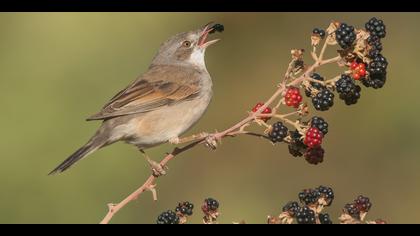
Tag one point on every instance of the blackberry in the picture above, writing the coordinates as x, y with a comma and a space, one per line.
327, 193
375, 46
305, 216
345, 36
377, 72
319, 32
292, 208
323, 100
325, 219
376, 27
315, 85
348, 90
352, 210
309, 196
363, 203
210, 204
167, 218
296, 146
217, 27
278, 132
320, 124
185, 208
314, 155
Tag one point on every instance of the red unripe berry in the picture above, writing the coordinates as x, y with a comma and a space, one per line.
353, 65
362, 72
356, 76
293, 97
313, 137
267, 110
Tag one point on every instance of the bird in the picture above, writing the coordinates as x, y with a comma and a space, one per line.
162, 103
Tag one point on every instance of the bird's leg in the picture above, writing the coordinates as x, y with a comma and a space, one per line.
157, 169
188, 139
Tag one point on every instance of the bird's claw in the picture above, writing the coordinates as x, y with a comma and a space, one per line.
174, 141
211, 142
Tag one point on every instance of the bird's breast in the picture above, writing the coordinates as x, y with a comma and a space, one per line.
159, 126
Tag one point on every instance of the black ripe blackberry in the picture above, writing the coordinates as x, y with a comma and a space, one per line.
210, 204
376, 27
185, 208
314, 155
348, 90
217, 27
323, 100
345, 36
377, 72
327, 194
320, 124
352, 210
167, 218
305, 216
363, 203
296, 146
315, 85
375, 46
292, 208
278, 132
325, 219
309, 196
319, 32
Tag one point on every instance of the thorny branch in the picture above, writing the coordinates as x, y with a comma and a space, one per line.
212, 139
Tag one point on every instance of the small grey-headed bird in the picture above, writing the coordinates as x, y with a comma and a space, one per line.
161, 104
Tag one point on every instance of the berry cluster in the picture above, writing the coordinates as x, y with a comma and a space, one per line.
377, 62
323, 100
358, 70
357, 210
210, 205
313, 201
362, 52
305, 215
278, 132
210, 209
376, 28
184, 209
348, 90
168, 218
345, 36
319, 32
313, 137
309, 196
267, 110
217, 28
296, 146
293, 97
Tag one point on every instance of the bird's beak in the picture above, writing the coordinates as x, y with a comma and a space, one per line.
203, 37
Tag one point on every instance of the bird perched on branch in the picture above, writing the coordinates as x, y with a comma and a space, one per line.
160, 105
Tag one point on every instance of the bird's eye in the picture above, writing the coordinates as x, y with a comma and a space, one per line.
186, 44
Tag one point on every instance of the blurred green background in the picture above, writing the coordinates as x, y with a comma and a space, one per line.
58, 68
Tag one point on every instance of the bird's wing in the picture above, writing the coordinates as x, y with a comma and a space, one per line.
159, 86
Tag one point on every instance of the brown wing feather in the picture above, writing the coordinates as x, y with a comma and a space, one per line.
160, 86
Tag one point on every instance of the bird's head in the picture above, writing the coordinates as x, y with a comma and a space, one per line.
187, 48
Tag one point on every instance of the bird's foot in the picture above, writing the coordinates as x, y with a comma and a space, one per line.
174, 141
211, 141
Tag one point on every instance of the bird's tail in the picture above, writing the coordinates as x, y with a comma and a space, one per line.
94, 144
